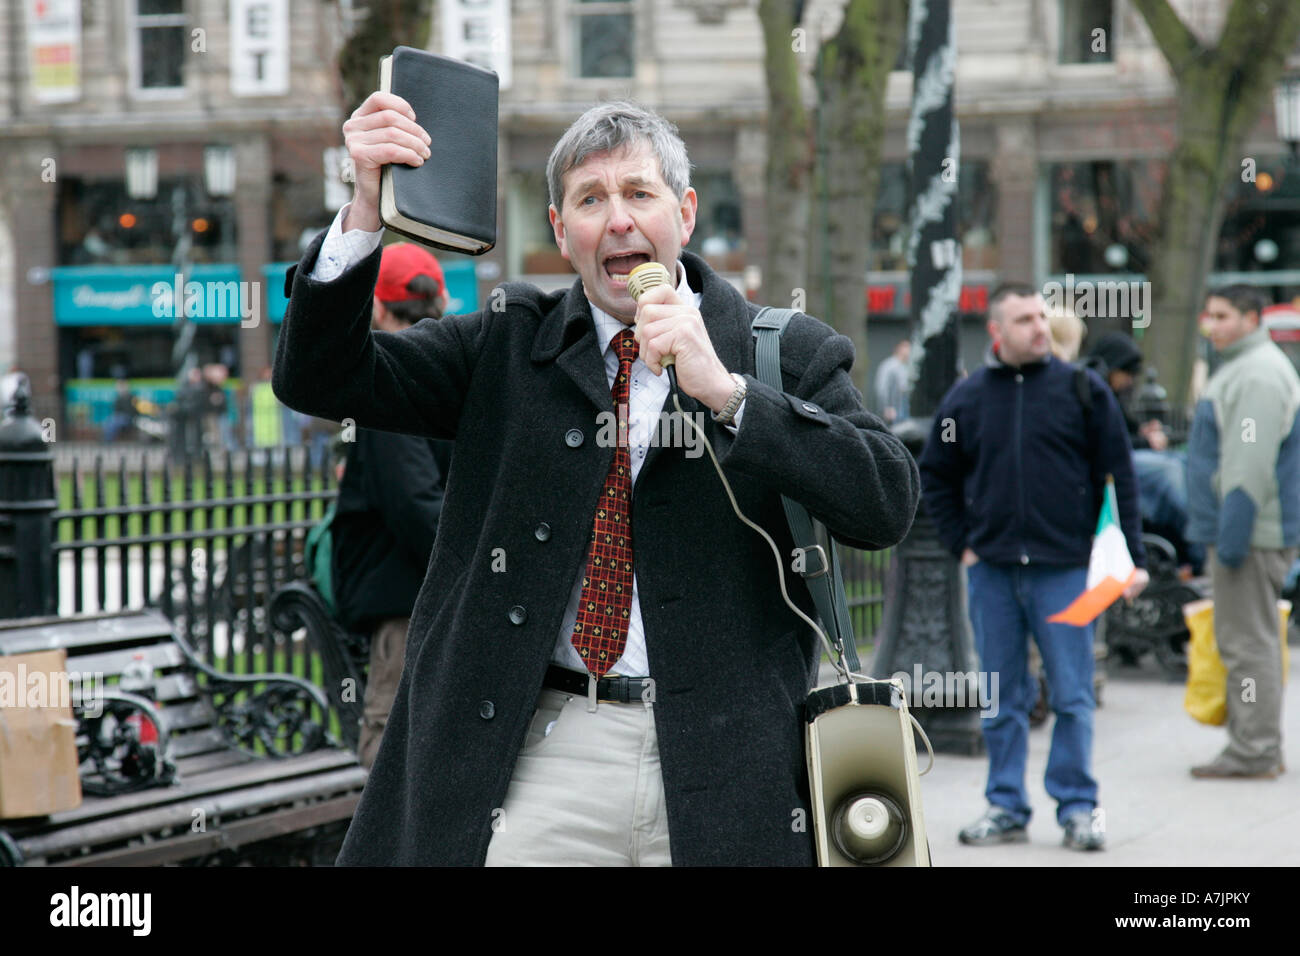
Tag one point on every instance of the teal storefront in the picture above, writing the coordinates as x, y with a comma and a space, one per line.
121, 320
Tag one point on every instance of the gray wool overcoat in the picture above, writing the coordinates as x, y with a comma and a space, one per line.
520, 388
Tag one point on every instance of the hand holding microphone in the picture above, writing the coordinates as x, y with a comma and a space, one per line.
673, 336
640, 280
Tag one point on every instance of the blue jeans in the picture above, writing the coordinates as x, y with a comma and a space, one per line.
1007, 603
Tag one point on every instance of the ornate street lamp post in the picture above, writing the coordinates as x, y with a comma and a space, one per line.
1286, 111
926, 631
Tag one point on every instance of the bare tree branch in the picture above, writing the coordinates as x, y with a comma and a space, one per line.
1254, 31
1176, 41
1220, 97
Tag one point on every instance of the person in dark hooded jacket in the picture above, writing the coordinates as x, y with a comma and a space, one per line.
1118, 360
1161, 473
389, 504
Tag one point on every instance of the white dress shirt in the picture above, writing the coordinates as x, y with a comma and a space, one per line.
647, 395
342, 250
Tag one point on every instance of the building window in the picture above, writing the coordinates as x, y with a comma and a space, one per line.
530, 240
719, 231
99, 224
603, 38
1261, 221
903, 60
1087, 31
1104, 215
89, 352
976, 216
159, 40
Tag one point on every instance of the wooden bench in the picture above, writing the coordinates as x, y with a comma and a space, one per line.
243, 768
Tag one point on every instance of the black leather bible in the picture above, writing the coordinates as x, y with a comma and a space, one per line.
451, 201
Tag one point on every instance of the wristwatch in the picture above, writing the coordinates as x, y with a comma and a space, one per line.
728, 413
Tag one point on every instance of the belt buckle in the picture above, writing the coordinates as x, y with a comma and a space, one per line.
826, 565
620, 691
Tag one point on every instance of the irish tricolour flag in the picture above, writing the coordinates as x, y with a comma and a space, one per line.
1110, 569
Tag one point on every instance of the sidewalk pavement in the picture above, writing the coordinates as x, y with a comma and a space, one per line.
1156, 814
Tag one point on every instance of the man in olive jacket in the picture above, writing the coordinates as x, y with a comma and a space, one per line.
522, 388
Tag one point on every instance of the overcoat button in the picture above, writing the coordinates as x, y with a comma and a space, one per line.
810, 408
487, 710
573, 437
518, 615
542, 532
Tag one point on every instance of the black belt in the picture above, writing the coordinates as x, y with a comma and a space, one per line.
622, 690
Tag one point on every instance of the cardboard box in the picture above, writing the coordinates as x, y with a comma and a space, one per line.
38, 736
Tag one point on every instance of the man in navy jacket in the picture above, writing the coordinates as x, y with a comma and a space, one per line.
1013, 476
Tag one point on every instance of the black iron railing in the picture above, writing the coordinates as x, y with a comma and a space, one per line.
864, 586
209, 546
206, 545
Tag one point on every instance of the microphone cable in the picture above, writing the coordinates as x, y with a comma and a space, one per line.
836, 657
647, 276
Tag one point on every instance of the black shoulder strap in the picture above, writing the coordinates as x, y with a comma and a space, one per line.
1083, 388
827, 589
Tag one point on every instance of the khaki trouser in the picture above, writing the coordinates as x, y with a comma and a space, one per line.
587, 789
1247, 630
387, 651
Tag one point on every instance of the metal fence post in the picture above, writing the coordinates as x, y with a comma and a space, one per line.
27, 504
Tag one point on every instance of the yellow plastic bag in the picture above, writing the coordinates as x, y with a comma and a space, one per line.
1207, 678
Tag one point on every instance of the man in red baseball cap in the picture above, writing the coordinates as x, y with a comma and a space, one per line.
389, 503
411, 287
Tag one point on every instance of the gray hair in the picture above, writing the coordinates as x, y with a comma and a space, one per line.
610, 126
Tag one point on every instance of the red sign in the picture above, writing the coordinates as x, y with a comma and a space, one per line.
880, 298
974, 298
897, 299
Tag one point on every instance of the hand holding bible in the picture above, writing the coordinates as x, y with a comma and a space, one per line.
381, 131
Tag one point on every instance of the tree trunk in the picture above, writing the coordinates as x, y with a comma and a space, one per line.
1221, 93
852, 72
1191, 214
389, 23
789, 157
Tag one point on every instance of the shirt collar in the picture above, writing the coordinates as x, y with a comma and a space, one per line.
607, 326
993, 359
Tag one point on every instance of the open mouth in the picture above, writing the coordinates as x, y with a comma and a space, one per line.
617, 267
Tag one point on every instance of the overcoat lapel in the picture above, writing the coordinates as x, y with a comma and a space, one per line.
719, 307
567, 337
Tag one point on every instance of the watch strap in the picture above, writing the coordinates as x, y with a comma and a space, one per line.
727, 415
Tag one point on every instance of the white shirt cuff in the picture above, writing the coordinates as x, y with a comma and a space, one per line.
342, 250
734, 425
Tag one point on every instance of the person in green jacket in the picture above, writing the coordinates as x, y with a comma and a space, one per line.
1243, 486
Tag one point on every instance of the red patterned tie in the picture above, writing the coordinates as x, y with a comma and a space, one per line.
605, 609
